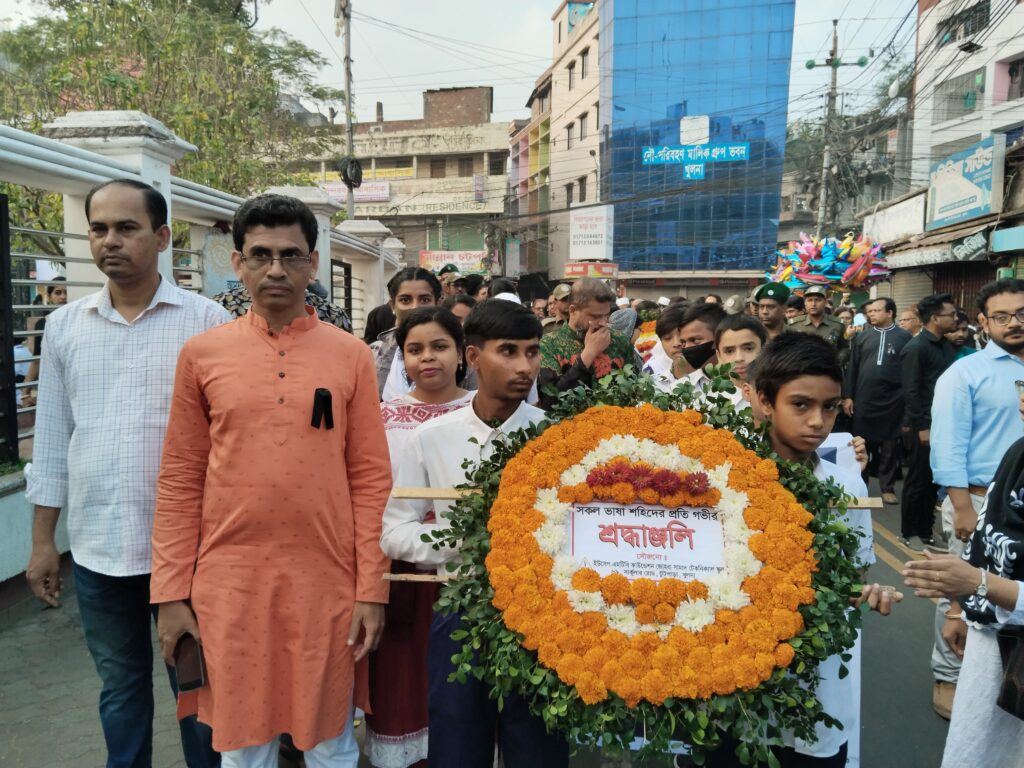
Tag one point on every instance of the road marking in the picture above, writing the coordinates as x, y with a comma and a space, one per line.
887, 557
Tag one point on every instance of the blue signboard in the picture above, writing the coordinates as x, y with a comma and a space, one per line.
697, 153
968, 184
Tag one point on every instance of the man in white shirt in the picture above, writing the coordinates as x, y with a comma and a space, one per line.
104, 396
503, 347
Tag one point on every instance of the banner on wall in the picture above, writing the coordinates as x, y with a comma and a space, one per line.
967, 184
468, 262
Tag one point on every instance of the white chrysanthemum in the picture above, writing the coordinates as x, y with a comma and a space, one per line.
737, 532
729, 595
622, 618
574, 475
719, 476
586, 601
561, 572
741, 563
552, 509
550, 538
694, 615
663, 630
733, 502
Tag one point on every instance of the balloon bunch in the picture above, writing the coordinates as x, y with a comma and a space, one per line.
851, 262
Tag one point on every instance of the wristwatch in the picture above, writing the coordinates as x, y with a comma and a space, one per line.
982, 589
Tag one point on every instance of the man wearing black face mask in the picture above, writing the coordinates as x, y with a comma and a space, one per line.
698, 337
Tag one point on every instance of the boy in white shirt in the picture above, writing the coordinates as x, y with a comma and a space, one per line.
503, 347
798, 383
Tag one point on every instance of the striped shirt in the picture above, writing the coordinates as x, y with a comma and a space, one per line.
104, 398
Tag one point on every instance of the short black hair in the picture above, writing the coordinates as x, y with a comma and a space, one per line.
715, 296
58, 279
156, 204
795, 302
890, 304
962, 317
671, 319
790, 356
996, 287
272, 210
450, 302
501, 285
473, 283
741, 323
412, 274
443, 317
932, 305
709, 314
499, 319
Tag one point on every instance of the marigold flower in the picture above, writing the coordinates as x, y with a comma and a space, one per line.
784, 654
664, 613
590, 689
671, 591
586, 580
570, 667
656, 686
615, 588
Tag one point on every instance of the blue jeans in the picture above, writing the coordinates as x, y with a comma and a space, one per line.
463, 719
116, 617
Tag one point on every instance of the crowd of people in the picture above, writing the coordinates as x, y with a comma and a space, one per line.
226, 469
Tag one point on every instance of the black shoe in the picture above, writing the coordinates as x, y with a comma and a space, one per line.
913, 543
936, 545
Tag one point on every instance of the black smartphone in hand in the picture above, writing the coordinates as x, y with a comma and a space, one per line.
189, 664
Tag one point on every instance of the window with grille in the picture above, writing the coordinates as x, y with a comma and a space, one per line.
437, 168
962, 25
1016, 89
959, 96
496, 165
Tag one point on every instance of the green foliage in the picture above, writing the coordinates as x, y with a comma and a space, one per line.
492, 653
192, 65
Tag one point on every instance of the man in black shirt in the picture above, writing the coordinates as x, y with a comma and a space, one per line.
922, 361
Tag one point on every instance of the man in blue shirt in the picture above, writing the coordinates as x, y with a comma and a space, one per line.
974, 421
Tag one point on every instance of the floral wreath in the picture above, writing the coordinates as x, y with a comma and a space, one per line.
733, 653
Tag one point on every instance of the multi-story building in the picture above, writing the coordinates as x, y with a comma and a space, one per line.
969, 77
706, 77
575, 111
530, 181
438, 182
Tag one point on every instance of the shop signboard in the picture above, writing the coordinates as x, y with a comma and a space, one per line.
468, 262
970, 247
590, 233
967, 184
574, 270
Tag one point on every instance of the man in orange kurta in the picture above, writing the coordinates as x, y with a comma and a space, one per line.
268, 518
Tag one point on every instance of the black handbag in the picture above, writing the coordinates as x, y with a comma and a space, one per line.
1011, 651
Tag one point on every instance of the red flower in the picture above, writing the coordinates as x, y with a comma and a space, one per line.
665, 482
696, 483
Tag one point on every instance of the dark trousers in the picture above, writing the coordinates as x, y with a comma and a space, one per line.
917, 507
116, 617
725, 757
884, 463
464, 719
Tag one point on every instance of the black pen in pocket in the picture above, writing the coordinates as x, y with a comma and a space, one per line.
323, 412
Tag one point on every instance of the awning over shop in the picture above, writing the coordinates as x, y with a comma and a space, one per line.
963, 244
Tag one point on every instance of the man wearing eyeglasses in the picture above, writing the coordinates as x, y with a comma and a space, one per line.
273, 484
974, 421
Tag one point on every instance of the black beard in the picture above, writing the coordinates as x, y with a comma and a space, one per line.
1013, 347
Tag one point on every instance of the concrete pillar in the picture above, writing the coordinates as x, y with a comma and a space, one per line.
323, 207
135, 140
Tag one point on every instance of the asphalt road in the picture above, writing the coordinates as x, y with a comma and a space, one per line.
49, 689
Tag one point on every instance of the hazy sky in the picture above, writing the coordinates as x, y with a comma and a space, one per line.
508, 45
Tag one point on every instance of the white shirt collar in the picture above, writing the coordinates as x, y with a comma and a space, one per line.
101, 302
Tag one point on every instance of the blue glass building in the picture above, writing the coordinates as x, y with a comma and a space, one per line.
684, 73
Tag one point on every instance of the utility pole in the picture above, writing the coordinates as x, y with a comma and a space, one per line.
834, 63
344, 9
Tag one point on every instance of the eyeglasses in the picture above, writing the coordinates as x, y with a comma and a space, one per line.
292, 260
1003, 318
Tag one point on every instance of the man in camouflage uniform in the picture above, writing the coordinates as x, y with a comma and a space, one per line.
820, 323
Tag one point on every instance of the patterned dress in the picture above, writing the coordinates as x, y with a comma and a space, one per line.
237, 302
396, 732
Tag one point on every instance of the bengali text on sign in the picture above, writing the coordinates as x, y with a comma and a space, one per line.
642, 540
